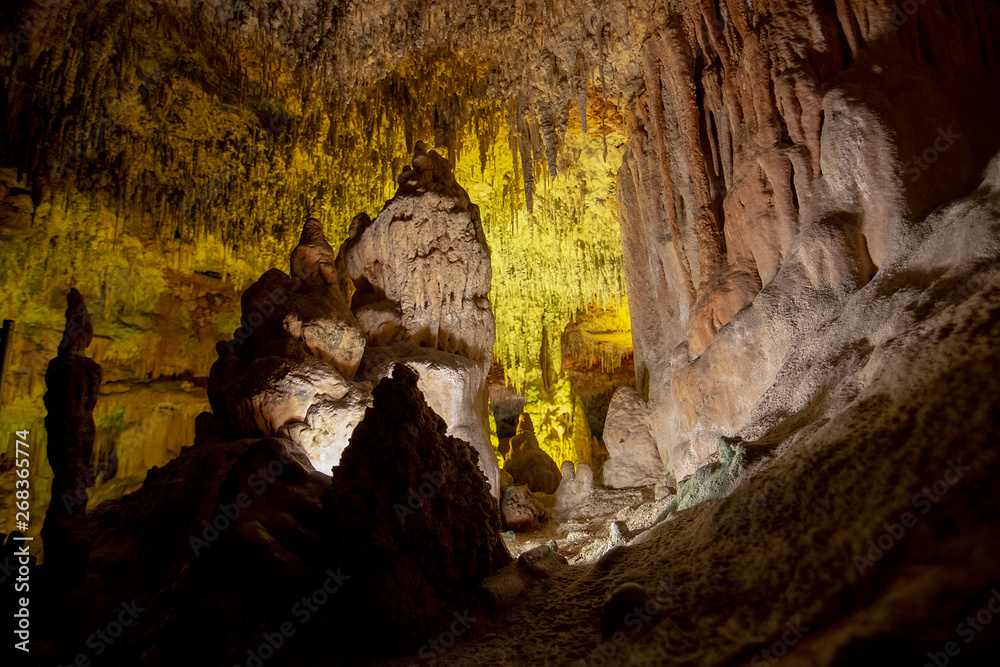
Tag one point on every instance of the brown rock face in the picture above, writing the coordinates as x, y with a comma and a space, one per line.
220, 515
520, 510
781, 155
72, 382
417, 520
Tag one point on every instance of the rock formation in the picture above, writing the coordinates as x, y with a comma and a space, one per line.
633, 459
527, 463
415, 518
425, 259
328, 329
402, 532
808, 208
776, 164
409, 287
575, 489
289, 368
421, 270
72, 381
520, 510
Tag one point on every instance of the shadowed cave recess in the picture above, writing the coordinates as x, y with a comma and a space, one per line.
639, 332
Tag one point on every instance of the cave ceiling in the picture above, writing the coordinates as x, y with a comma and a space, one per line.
152, 148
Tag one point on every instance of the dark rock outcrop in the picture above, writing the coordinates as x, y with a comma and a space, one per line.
72, 382
416, 520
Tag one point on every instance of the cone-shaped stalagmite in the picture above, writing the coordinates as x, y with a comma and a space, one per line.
72, 381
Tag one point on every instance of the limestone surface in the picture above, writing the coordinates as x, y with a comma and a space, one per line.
289, 369
633, 459
575, 489
748, 220
455, 388
422, 274
426, 253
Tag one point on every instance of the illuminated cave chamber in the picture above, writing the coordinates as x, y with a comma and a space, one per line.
183, 214
742, 274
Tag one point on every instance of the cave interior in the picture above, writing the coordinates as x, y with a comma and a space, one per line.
466, 332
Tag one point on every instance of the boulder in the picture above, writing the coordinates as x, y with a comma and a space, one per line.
520, 510
575, 489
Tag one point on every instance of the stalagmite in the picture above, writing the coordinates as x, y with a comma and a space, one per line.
72, 381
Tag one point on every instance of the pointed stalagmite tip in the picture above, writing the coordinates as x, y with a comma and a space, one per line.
312, 235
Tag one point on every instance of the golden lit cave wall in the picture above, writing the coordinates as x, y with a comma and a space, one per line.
161, 179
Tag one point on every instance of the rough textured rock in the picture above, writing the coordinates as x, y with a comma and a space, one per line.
422, 275
418, 278
810, 223
527, 463
575, 488
520, 510
72, 382
425, 257
454, 387
542, 561
633, 459
288, 369
803, 533
310, 306
288, 392
775, 165
416, 519
332, 333
734, 463
185, 545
